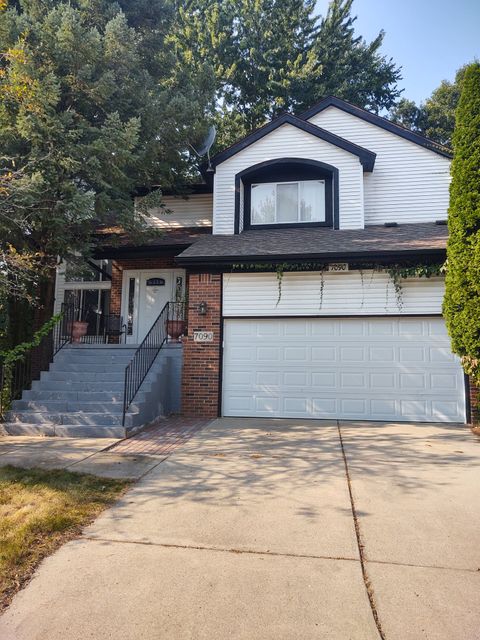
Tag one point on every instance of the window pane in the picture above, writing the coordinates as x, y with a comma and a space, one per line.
84, 272
131, 305
287, 202
263, 203
312, 201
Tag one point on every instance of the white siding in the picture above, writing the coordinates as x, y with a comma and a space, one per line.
194, 211
256, 294
408, 183
288, 141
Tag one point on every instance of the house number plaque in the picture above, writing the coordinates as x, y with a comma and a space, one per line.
338, 266
203, 336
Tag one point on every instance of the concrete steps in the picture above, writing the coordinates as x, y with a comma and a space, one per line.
82, 394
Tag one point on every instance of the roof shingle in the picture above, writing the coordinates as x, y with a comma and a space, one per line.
318, 242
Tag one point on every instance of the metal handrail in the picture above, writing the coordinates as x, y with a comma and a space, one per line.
137, 369
18, 376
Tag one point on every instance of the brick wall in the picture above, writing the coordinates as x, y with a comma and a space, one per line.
201, 361
119, 266
475, 403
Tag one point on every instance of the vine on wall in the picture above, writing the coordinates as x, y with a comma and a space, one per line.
397, 273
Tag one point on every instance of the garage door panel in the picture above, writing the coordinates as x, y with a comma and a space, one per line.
316, 368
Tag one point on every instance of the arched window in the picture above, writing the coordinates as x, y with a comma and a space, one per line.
288, 192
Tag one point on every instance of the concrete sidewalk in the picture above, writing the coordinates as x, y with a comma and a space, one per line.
247, 531
104, 457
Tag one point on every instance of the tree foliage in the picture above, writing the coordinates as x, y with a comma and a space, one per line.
434, 118
462, 299
271, 56
94, 104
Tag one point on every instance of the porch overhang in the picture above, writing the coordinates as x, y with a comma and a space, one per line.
169, 243
412, 242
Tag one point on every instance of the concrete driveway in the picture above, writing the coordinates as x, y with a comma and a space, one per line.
278, 529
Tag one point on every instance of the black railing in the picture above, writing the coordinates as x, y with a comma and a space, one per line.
100, 328
168, 327
17, 376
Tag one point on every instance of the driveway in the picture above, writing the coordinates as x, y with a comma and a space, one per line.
277, 529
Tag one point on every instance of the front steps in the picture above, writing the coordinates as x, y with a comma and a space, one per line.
82, 394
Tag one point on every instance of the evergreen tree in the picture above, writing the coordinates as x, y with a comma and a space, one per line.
89, 113
349, 67
434, 118
271, 56
462, 298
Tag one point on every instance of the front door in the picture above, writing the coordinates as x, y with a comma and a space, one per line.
145, 293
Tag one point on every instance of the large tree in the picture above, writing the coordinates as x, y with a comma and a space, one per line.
94, 104
271, 56
462, 298
434, 118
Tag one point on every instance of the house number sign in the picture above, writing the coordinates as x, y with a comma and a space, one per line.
203, 336
338, 266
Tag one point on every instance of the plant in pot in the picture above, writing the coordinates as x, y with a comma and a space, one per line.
176, 320
79, 326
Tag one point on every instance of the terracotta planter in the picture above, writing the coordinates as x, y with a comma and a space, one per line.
475, 429
79, 329
175, 329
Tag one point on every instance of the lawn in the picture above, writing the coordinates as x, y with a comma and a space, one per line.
39, 511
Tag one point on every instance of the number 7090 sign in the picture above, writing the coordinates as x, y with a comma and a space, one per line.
203, 336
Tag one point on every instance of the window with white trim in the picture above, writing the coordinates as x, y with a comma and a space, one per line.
288, 202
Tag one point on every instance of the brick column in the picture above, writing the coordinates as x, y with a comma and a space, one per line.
201, 361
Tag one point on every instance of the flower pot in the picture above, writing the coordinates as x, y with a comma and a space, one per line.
475, 428
79, 329
175, 329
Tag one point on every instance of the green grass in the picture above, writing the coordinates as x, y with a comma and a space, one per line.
39, 511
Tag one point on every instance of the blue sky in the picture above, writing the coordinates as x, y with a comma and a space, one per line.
429, 39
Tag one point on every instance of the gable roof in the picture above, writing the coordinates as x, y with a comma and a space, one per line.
379, 121
366, 157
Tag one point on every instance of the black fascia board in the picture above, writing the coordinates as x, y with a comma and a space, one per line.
139, 252
379, 121
366, 157
216, 261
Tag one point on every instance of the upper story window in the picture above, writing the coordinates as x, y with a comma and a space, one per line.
286, 192
288, 202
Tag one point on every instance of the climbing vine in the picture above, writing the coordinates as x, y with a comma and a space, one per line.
10, 357
397, 273
322, 287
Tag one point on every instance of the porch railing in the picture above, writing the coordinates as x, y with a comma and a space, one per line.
17, 376
168, 327
102, 328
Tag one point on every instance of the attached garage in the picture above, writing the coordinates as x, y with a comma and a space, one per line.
390, 367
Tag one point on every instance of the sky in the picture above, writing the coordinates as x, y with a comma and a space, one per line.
429, 39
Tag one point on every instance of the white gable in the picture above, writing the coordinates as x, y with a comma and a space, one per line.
409, 183
292, 142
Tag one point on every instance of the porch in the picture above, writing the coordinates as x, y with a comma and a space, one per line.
118, 300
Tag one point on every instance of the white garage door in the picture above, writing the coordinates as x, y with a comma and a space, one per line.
370, 368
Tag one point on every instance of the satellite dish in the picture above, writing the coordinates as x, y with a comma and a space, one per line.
206, 145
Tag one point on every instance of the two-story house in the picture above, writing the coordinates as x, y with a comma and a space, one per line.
311, 266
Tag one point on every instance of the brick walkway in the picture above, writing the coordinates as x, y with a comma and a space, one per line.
161, 438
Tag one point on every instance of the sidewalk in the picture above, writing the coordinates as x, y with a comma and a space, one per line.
104, 457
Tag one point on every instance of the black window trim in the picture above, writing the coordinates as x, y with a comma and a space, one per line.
332, 218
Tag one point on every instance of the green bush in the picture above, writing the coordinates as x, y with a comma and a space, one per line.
461, 305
